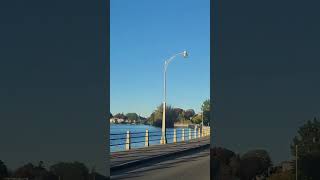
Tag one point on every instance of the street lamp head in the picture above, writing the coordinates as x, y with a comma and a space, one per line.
185, 54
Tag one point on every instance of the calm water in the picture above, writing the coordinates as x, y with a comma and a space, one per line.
118, 135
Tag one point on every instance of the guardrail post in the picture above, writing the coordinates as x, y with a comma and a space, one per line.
146, 144
174, 135
182, 135
190, 134
202, 131
128, 141
199, 135
195, 132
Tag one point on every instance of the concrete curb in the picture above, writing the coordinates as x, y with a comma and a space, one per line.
123, 166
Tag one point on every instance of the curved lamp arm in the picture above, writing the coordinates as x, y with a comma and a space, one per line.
166, 62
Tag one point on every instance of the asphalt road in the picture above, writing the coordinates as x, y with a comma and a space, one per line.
189, 167
123, 157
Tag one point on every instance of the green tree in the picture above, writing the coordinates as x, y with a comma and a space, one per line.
70, 171
224, 164
308, 143
132, 116
197, 119
178, 111
307, 139
156, 117
206, 111
254, 163
3, 170
26, 171
189, 113
120, 116
34, 172
180, 117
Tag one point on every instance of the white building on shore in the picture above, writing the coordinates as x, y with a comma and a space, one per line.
114, 120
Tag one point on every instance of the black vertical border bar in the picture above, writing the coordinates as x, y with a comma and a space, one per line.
104, 42
108, 86
214, 34
212, 57
211, 84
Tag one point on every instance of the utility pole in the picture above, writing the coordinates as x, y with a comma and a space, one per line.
296, 162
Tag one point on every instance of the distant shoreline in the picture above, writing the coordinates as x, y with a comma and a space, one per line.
181, 125
176, 125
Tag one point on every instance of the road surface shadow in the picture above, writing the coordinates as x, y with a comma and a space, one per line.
139, 170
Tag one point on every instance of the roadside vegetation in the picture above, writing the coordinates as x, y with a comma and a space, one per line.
173, 115
59, 171
257, 164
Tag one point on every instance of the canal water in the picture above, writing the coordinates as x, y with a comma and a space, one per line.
118, 135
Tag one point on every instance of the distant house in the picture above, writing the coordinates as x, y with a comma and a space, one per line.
115, 120
131, 121
112, 120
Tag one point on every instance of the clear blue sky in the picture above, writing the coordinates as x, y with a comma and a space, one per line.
146, 32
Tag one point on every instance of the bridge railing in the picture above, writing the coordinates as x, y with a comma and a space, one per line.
130, 140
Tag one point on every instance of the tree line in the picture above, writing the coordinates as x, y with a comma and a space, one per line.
173, 115
307, 146
129, 117
227, 165
58, 171
178, 115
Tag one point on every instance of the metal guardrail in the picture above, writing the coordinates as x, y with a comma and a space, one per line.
130, 137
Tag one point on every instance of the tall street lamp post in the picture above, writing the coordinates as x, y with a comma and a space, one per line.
166, 63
